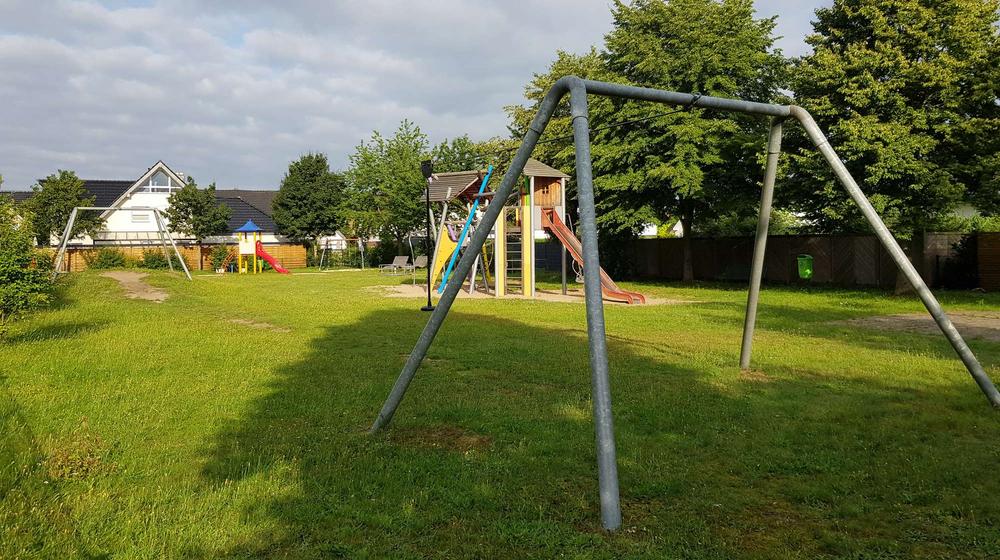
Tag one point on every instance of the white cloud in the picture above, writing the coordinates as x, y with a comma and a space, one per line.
233, 90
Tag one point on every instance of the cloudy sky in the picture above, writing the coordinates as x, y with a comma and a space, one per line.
232, 90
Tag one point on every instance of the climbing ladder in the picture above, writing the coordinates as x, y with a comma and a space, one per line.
515, 276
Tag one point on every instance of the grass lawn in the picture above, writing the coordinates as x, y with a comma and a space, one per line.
230, 420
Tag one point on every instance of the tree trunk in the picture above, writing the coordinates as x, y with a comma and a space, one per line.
201, 259
688, 274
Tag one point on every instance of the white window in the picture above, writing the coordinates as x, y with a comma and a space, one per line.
160, 182
140, 217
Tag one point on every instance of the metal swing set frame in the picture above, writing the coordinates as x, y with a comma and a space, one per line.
161, 230
579, 89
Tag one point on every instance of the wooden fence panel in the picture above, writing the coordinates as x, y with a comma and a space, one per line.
989, 261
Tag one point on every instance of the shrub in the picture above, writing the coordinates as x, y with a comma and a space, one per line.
25, 274
219, 255
105, 257
154, 259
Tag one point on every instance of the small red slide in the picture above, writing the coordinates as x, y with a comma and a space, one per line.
551, 222
270, 260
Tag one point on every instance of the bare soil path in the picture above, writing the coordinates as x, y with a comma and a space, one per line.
134, 286
984, 325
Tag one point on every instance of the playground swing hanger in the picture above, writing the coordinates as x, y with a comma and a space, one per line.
579, 89
163, 233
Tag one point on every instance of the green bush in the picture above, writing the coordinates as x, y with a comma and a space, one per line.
219, 255
105, 257
154, 259
25, 274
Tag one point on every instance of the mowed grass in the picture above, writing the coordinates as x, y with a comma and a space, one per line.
230, 421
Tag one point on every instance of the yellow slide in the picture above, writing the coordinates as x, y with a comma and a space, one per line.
442, 253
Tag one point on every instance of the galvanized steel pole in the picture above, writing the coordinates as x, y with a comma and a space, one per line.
545, 110
607, 466
604, 428
760, 243
890, 244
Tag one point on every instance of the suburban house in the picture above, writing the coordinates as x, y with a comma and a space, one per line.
135, 231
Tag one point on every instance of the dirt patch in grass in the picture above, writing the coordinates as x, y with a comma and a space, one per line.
448, 438
984, 325
134, 286
260, 325
572, 296
755, 376
80, 454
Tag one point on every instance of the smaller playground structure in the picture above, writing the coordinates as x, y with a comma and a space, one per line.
536, 210
252, 255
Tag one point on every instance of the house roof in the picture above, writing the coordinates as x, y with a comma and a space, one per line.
138, 183
535, 168
105, 192
242, 212
18, 196
445, 187
261, 200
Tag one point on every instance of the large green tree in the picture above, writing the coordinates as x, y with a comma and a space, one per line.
53, 201
907, 91
463, 154
697, 164
307, 206
386, 183
196, 212
556, 148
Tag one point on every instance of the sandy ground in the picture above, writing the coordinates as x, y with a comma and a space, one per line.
573, 295
984, 325
135, 288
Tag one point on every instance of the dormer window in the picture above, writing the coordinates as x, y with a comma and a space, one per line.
160, 182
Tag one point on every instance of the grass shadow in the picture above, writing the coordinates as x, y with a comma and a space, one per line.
491, 455
49, 332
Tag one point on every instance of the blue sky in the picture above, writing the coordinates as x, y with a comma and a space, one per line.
232, 90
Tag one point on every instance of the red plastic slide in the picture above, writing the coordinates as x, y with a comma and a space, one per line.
551, 222
270, 260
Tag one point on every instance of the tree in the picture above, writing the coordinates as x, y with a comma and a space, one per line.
53, 201
196, 212
386, 183
307, 206
463, 154
907, 91
25, 274
559, 155
692, 164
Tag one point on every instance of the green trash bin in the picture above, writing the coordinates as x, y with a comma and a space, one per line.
805, 267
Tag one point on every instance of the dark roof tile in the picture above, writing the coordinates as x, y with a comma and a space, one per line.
243, 211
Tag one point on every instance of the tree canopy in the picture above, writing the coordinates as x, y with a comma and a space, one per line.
386, 183
307, 206
693, 165
907, 92
53, 201
196, 212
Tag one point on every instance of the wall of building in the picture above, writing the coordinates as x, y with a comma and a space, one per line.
133, 221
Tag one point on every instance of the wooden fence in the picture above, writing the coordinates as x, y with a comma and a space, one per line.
846, 260
290, 256
988, 256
